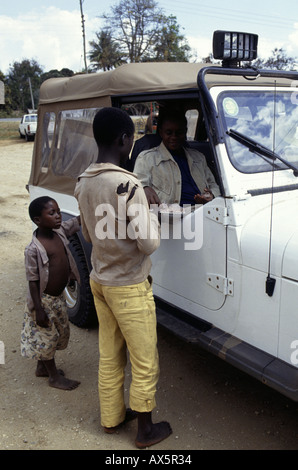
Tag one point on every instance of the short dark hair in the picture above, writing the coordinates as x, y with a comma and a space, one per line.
37, 205
171, 114
110, 123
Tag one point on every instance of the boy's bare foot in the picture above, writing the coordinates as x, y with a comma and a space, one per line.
157, 433
41, 370
56, 379
61, 382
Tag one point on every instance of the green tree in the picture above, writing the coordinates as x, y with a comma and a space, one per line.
54, 73
105, 53
143, 33
171, 45
20, 76
6, 108
278, 60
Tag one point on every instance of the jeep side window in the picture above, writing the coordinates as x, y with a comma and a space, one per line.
75, 148
48, 127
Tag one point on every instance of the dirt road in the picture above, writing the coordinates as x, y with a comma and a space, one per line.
209, 404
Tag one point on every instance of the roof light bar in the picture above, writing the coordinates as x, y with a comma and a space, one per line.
233, 47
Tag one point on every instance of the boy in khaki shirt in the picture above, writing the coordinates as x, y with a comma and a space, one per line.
115, 218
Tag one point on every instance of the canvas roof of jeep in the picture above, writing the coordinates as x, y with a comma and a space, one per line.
138, 78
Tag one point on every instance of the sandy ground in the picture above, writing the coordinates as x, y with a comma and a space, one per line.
210, 405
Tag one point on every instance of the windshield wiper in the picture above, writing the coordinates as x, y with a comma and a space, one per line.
257, 148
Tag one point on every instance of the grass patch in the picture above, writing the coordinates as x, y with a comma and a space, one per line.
9, 130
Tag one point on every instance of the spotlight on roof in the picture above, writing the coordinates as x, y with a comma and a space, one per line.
233, 47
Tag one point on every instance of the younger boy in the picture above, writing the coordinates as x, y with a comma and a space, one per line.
49, 266
109, 197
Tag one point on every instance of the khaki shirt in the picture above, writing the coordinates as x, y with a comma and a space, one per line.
157, 168
37, 261
113, 208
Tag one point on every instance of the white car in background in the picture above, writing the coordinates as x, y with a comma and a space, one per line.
27, 126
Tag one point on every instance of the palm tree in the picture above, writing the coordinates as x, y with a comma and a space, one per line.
105, 53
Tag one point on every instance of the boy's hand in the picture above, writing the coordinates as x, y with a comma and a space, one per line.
42, 319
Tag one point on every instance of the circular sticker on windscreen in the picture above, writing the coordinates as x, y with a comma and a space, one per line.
230, 107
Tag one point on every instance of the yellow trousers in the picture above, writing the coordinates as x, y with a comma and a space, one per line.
127, 321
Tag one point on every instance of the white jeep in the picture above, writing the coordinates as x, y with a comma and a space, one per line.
235, 291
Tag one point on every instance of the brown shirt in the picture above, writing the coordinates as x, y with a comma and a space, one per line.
37, 261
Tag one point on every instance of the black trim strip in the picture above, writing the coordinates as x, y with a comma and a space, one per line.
279, 189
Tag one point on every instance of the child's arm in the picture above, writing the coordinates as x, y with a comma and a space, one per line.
42, 319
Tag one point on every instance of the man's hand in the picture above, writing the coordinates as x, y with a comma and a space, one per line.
207, 196
151, 195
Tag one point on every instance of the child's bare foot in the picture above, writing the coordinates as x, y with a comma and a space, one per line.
61, 382
56, 379
157, 433
41, 370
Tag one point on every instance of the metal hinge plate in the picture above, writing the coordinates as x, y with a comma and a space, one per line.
218, 214
221, 283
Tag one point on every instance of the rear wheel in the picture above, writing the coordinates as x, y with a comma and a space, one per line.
79, 298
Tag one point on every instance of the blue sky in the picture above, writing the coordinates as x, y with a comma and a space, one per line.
49, 31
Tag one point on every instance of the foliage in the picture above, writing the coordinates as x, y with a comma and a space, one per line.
138, 31
171, 46
278, 60
105, 53
134, 31
20, 76
17, 86
54, 73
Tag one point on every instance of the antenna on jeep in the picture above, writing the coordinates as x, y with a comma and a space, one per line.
233, 47
270, 281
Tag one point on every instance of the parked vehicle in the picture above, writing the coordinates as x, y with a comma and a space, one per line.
28, 126
230, 281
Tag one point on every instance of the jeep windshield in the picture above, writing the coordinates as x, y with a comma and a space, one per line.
258, 149
268, 118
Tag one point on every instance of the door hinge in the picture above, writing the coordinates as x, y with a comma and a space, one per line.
221, 283
218, 214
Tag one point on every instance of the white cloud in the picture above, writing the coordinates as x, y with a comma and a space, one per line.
51, 36
201, 46
293, 42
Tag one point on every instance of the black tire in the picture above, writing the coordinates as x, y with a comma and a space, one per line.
79, 298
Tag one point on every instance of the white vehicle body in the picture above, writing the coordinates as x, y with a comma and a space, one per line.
28, 126
236, 291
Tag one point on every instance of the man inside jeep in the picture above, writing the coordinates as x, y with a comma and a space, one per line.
172, 172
